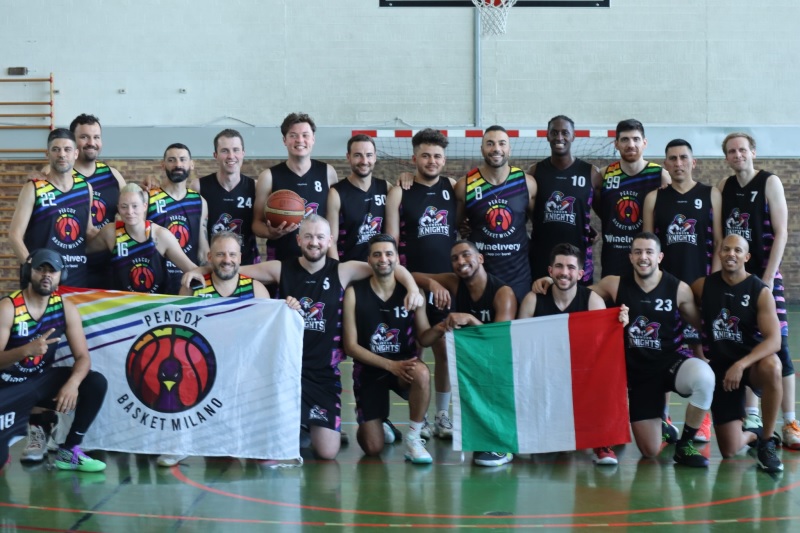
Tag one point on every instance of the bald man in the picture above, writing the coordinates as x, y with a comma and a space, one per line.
742, 333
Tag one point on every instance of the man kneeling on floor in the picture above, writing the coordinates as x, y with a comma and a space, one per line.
32, 321
380, 334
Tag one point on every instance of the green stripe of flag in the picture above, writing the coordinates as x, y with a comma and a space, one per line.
486, 385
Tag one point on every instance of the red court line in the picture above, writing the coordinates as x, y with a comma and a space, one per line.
181, 477
386, 525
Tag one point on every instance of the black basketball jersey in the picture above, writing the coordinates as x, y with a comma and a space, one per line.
384, 328
428, 226
182, 218
313, 188
655, 330
498, 215
137, 266
320, 295
483, 307
105, 193
730, 317
684, 224
105, 197
561, 213
546, 305
361, 216
232, 211
745, 212
58, 222
621, 200
24, 329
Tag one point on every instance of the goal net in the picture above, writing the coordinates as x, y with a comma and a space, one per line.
464, 151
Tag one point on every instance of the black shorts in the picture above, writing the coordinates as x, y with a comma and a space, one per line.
786, 359
435, 315
646, 398
321, 403
729, 405
17, 400
371, 388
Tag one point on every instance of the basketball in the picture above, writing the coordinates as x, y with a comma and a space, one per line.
284, 206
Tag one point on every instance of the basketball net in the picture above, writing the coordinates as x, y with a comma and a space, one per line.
494, 14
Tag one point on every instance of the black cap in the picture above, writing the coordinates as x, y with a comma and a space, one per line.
43, 256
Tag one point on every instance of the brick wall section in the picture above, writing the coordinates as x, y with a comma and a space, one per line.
708, 171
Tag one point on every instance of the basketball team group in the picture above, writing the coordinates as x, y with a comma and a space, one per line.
379, 271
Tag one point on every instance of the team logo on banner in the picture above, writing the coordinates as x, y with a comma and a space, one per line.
171, 368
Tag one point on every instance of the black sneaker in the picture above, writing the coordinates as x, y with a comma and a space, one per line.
767, 458
669, 433
492, 458
757, 430
686, 454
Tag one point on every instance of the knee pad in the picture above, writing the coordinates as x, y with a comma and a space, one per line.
695, 379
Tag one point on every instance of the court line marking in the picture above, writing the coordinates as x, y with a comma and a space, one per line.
175, 470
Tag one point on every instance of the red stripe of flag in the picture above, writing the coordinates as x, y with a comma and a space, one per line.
599, 382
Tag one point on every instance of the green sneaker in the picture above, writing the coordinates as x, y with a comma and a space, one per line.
686, 454
75, 459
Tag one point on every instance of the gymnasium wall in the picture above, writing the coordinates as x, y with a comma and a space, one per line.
157, 72
349, 62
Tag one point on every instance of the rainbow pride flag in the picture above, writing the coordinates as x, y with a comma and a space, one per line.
194, 376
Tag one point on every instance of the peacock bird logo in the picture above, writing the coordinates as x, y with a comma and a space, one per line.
171, 369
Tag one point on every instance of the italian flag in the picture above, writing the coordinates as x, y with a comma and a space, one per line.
539, 385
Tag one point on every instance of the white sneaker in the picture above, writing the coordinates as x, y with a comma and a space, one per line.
390, 433
170, 460
36, 446
791, 435
442, 427
426, 431
416, 452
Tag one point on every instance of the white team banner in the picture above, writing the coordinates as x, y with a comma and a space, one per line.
194, 376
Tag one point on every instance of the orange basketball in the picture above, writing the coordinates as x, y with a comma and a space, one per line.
284, 206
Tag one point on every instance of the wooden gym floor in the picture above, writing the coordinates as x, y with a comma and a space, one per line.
554, 491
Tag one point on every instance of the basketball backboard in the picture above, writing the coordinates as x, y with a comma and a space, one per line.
468, 3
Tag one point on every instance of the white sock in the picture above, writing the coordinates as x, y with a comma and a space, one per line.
442, 401
414, 428
751, 410
788, 417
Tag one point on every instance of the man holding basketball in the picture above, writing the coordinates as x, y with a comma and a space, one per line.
308, 177
317, 282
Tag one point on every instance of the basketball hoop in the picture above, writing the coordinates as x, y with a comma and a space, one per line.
494, 14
